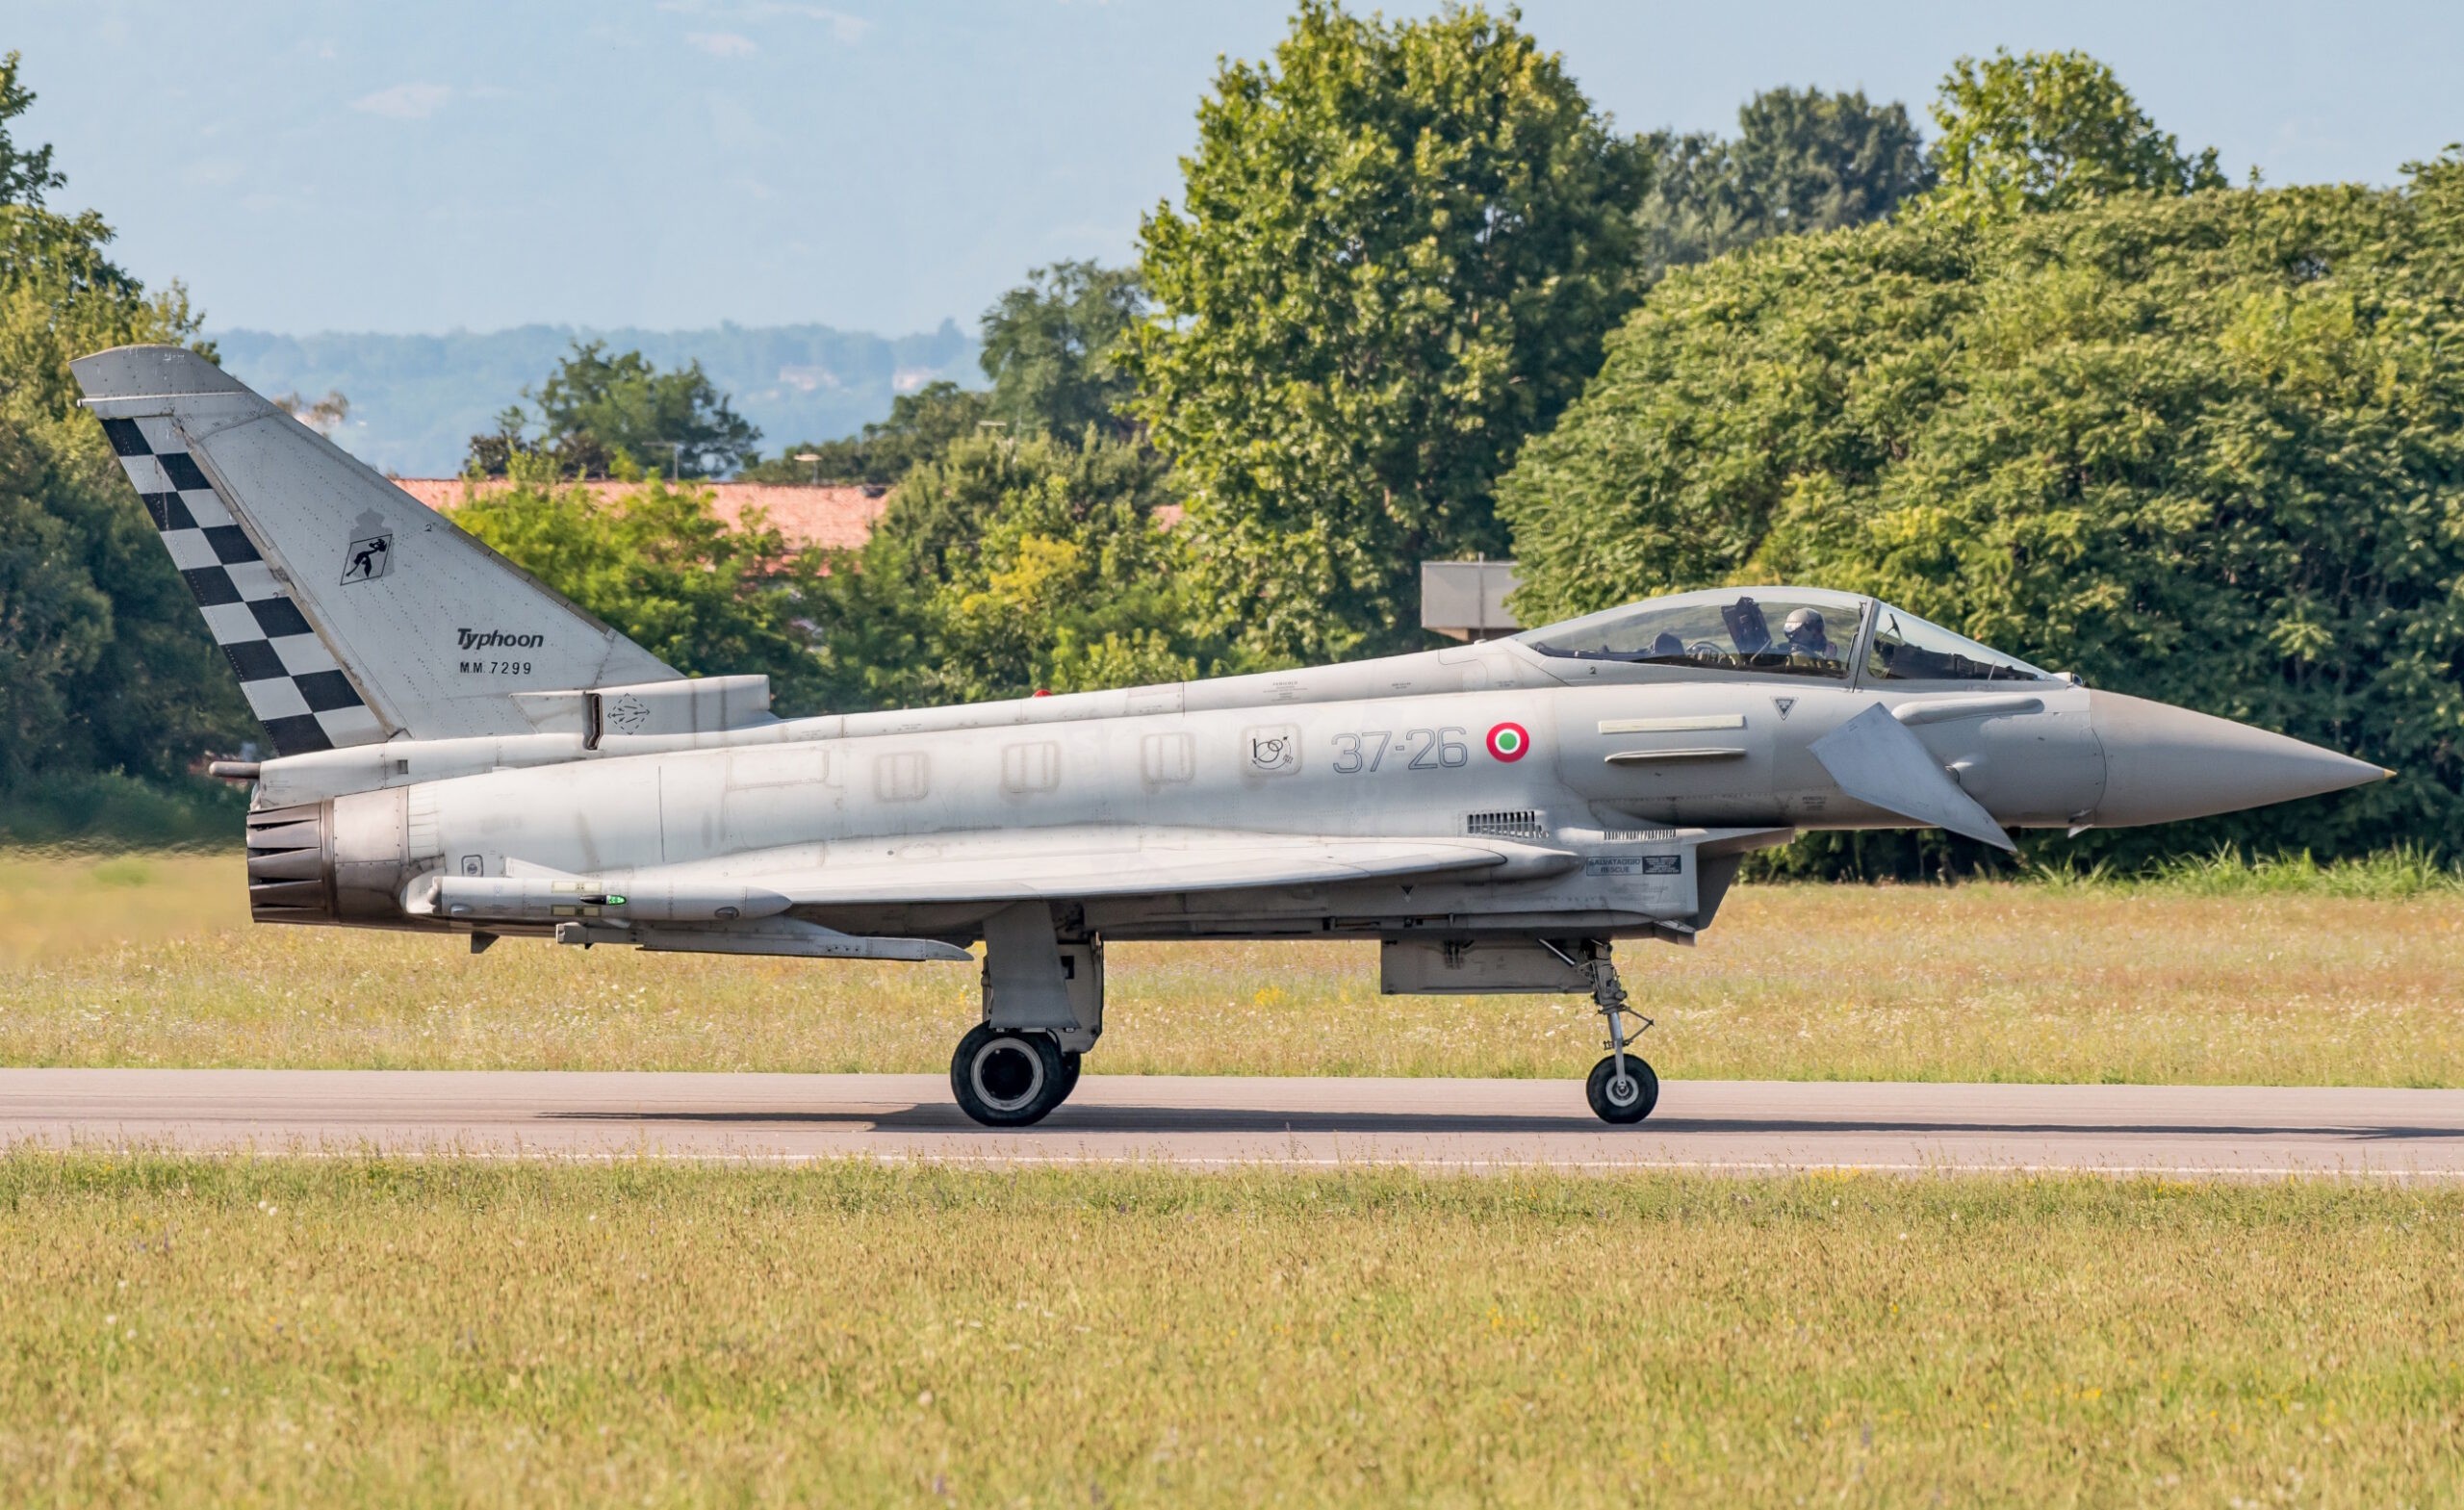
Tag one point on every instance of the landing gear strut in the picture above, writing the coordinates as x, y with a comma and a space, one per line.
1622, 1087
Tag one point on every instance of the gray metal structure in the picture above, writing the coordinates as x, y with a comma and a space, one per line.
1466, 600
459, 751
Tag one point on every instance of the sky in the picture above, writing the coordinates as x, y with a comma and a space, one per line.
309, 164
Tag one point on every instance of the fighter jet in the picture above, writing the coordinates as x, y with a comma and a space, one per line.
459, 751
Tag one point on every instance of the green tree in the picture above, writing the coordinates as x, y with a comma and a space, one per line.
2206, 449
1806, 161
2050, 131
600, 413
658, 564
922, 427
1689, 213
26, 175
1021, 550
1010, 565
1052, 348
104, 661
1398, 249
56, 619
1803, 160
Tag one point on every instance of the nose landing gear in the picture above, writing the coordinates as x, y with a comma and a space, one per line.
1622, 1087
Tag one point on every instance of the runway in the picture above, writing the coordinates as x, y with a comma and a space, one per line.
1219, 1123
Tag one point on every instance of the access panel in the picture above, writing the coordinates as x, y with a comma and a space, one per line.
1480, 967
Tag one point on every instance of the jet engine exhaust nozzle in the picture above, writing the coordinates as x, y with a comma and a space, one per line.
291, 864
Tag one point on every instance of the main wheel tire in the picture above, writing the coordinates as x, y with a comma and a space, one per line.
1008, 1077
1071, 1060
1629, 1101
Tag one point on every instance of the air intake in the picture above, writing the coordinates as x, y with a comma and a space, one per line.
291, 864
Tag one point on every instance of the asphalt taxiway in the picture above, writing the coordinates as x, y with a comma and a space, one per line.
1208, 1122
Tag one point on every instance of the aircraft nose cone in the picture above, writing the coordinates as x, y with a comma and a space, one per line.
2164, 763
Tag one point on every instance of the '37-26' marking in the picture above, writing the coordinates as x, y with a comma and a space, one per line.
1415, 749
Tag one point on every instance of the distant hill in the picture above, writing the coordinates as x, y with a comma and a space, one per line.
416, 401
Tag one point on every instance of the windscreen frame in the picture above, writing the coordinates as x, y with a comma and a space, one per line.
1861, 682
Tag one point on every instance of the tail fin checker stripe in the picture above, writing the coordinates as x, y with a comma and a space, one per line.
291, 679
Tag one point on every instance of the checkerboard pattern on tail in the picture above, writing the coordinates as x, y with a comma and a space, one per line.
292, 680
346, 606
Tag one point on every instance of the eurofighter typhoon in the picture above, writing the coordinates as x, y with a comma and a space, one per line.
457, 749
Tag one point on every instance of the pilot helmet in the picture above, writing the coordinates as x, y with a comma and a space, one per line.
1804, 630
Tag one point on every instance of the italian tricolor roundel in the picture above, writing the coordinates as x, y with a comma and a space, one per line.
1509, 742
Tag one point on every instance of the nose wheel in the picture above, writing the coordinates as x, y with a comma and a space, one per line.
1622, 1089
1010, 1077
1625, 1096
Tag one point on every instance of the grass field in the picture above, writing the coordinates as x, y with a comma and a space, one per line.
348, 1332
344, 1333
2212, 975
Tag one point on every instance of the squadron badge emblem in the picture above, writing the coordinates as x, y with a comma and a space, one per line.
366, 559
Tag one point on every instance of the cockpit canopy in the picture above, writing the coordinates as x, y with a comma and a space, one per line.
1795, 631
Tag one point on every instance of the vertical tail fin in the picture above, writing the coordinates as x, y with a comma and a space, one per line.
351, 612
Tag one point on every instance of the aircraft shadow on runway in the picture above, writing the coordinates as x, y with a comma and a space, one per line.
945, 1119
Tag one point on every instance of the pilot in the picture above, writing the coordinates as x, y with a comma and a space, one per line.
1803, 632
1667, 647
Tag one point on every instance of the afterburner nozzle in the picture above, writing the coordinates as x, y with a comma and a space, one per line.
2164, 763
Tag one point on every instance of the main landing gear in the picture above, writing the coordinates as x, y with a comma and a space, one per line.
1043, 1006
1012, 1076
1622, 1087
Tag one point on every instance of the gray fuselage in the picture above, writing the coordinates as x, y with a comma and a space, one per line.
1615, 763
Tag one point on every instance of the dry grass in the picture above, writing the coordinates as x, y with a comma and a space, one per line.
150, 960
191, 1332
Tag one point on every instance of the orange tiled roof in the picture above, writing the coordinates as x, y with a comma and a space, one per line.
834, 517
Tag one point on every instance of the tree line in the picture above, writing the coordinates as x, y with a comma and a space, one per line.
2043, 373
109, 687
1399, 252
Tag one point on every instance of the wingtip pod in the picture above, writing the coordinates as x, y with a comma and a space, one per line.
150, 372
2164, 764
